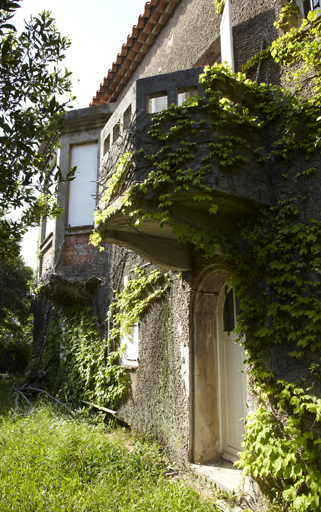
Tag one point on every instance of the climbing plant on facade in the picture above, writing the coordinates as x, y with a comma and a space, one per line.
133, 301
219, 6
276, 269
76, 362
81, 364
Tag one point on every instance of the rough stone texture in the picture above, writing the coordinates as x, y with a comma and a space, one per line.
159, 398
195, 27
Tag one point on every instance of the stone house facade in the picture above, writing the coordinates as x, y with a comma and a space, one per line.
186, 386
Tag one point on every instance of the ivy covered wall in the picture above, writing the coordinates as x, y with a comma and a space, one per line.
274, 261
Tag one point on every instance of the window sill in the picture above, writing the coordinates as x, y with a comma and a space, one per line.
79, 229
130, 367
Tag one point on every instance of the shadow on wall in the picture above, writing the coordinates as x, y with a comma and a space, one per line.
253, 29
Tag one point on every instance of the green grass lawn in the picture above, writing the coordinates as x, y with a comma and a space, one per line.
52, 462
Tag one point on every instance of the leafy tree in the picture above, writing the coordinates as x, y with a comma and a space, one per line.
15, 320
34, 94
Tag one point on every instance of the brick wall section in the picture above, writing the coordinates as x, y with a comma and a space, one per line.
78, 250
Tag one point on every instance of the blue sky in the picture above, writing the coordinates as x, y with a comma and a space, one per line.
97, 28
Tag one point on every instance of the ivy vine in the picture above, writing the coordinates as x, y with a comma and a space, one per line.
134, 300
276, 271
83, 372
219, 6
80, 366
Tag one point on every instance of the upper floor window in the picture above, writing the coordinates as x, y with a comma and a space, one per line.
157, 102
185, 94
82, 190
315, 4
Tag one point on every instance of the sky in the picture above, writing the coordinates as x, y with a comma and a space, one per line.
97, 29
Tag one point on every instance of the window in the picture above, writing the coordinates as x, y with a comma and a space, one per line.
48, 227
157, 102
231, 310
184, 94
130, 344
82, 190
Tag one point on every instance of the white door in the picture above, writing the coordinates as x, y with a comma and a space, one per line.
232, 378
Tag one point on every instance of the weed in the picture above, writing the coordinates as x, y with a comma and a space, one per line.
51, 462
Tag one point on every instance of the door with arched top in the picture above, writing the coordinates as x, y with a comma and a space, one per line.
232, 377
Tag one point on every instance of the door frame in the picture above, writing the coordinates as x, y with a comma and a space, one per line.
205, 431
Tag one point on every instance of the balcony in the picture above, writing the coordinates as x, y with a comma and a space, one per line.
239, 186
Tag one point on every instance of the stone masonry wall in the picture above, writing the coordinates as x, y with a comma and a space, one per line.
158, 402
159, 399
194, 26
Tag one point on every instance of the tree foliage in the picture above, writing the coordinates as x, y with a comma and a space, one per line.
34, 94
15, 322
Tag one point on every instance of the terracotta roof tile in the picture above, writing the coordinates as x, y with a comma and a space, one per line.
139, 57
149, 25
141, 22
142, 37
132, 54
137, 46
123, 50
135, 31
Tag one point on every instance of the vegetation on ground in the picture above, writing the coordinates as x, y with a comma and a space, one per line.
50, 461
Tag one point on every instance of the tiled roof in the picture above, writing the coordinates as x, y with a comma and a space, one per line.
149, 25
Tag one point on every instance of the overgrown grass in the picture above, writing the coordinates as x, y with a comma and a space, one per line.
51, 462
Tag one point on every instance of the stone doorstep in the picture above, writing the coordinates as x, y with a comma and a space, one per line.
225, 476
221, 473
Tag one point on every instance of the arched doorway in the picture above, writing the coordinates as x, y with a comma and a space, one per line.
219, 388
231, 375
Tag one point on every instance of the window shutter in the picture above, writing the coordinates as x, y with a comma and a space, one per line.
227, 53
131, 347
82, 191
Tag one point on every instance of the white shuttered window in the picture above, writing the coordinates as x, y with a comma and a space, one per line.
82, 191
130, 345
